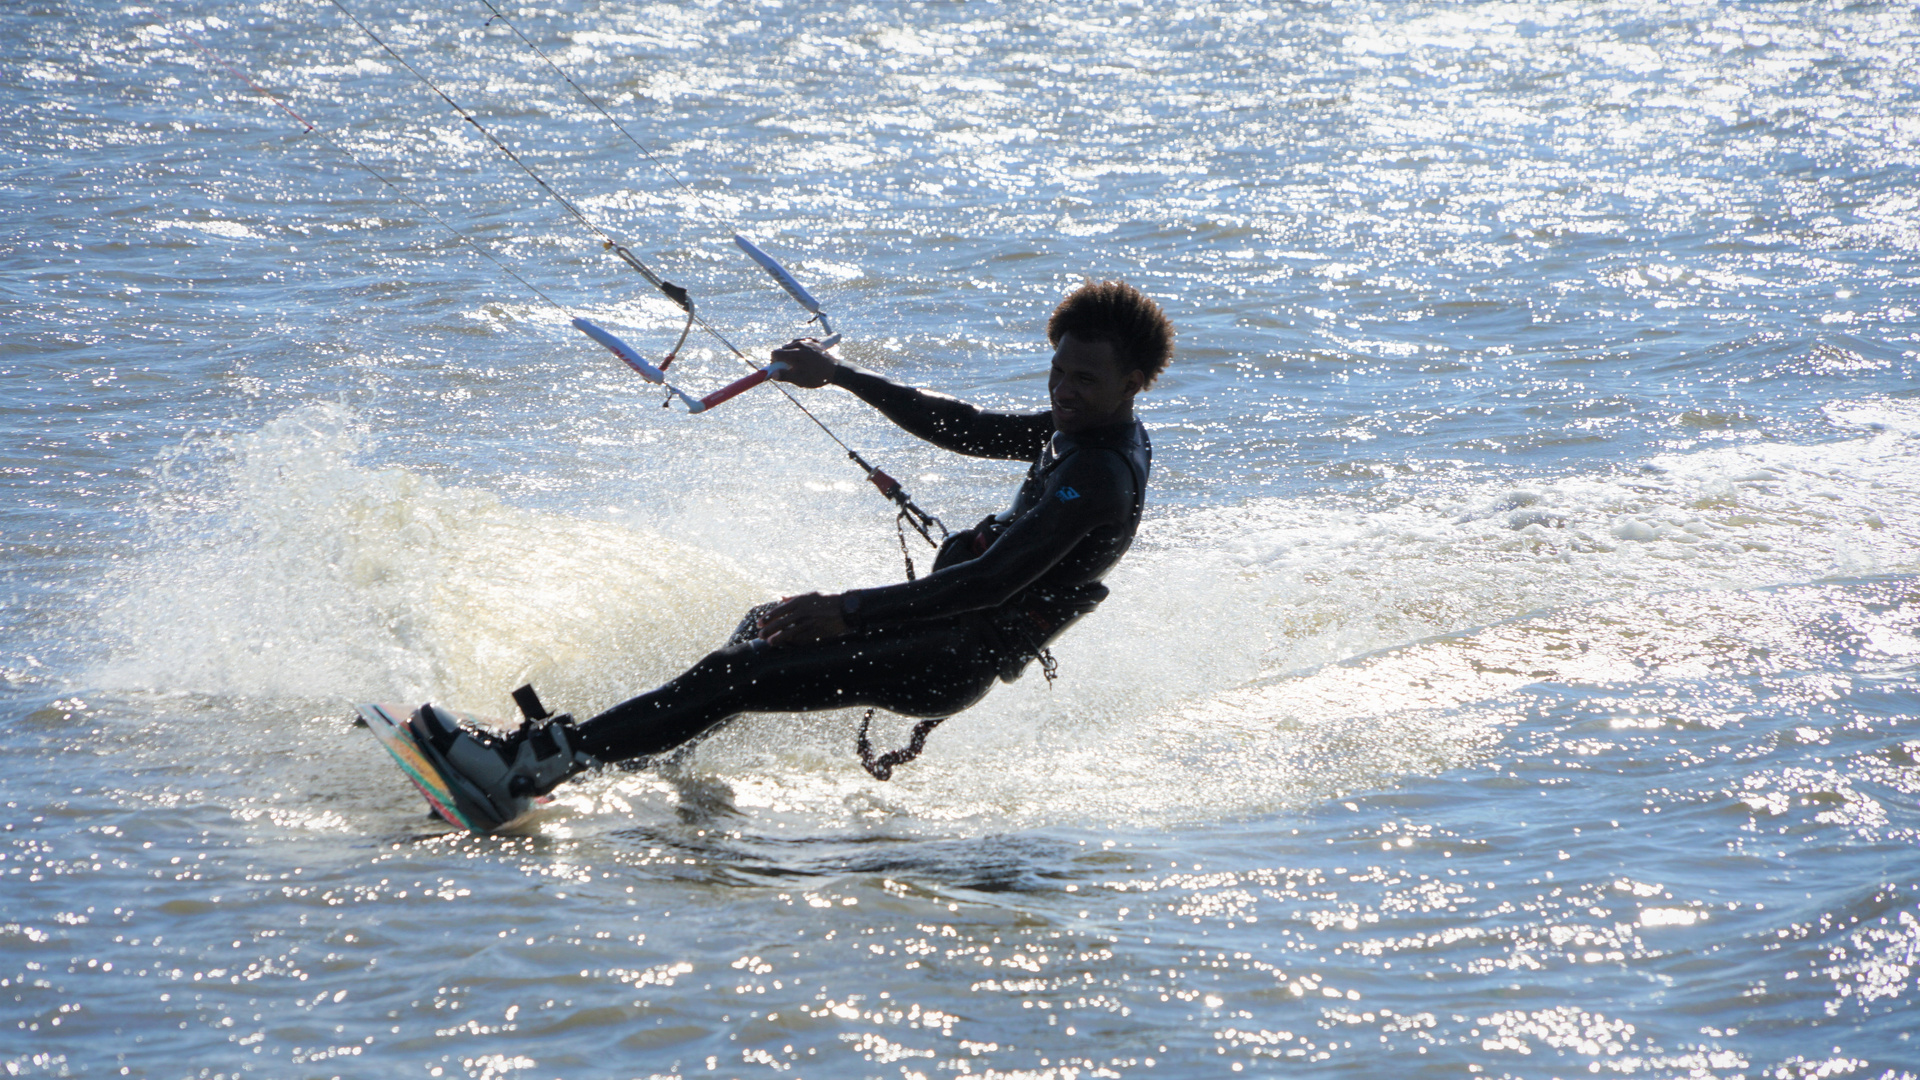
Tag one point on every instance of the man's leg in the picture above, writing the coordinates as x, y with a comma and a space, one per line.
929, 669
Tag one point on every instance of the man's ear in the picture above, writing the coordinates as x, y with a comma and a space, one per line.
1136, 380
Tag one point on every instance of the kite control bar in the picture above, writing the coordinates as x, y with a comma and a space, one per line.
654, 375
909, 516
739, 386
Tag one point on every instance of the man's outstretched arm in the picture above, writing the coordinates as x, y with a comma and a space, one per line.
946, 422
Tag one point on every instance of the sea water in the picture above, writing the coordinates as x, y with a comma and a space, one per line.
1515, 674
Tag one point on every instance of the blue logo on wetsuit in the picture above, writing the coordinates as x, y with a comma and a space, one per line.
1068, 494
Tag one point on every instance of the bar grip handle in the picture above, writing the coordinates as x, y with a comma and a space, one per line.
740, 386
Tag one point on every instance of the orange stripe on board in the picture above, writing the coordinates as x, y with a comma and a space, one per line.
399, 743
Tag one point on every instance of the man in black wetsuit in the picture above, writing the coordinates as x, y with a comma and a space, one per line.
998, 593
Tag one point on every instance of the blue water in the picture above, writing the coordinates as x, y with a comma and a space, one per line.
1516, 674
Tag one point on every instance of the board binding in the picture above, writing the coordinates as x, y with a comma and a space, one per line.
390, 725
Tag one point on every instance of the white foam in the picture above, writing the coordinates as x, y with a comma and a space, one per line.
1209, 684
292, 570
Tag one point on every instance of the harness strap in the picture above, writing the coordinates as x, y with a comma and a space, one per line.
881, 768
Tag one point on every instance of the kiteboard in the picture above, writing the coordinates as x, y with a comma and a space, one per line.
389, 724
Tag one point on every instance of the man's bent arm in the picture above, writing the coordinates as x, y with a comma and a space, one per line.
1100, 489
948, 422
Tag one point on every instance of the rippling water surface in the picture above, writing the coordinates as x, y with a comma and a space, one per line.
1516, 675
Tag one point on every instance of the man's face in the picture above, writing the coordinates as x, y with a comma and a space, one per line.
1087, 385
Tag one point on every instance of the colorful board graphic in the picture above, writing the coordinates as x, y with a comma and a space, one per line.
389, 724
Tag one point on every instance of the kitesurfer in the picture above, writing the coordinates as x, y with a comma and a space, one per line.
999, 593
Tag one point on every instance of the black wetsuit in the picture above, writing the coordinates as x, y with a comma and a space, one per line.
998, 593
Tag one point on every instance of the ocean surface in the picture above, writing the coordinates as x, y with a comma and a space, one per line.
1516, 674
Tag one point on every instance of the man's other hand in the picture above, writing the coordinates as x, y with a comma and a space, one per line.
808, 364
798, 620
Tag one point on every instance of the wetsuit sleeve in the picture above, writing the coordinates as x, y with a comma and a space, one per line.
1090, 489
948, 422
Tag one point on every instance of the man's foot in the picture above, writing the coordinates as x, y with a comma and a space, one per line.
494, 778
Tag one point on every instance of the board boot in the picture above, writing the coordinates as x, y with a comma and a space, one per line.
494, 779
